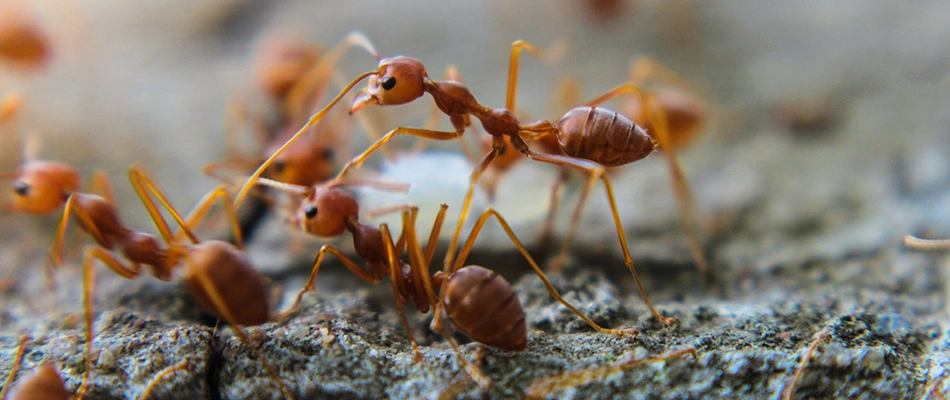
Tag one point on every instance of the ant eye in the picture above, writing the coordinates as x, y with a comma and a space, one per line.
389, 83
21, 188
328, 154
310, 212
279, 167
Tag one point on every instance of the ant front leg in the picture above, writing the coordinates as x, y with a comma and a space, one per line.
72, 207
395, 278
423, 133
343, 258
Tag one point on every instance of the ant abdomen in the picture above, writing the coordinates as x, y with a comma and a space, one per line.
43, 383
234, 279
483, 305
603, 136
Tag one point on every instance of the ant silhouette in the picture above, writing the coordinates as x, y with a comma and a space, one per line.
218, 274
465, 291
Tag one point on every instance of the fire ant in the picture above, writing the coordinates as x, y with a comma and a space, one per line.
591, 138
465, 292
46, 383
218, 274
22, 42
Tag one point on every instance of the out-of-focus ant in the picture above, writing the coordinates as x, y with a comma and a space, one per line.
219, 275
466, 292
22, 40
295, 75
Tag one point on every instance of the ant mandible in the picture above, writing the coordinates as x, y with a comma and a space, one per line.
219, 275
465, 292
592, 138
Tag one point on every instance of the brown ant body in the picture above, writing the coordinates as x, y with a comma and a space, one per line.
478, 301
218, 274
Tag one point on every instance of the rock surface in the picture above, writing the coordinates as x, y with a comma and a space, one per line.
804, 225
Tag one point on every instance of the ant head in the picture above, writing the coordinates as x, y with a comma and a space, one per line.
304, 163
22, 42
327, 210
398, 80
42, 187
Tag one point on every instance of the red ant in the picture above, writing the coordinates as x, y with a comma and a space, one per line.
592, 138
218, 274
46, 383
465, 291
22, 42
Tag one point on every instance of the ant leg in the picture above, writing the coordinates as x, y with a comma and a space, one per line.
544, 387
480, 223
143, 184
789, 391
686, 203
423, 133
306, 128
10, 106
222, 307
56, 252
597, 171
926, 244
211, 169
89, 277
313, 82
180, 366
547, 228
555, 53
343, 258
17, 360
395, 278
200, 211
